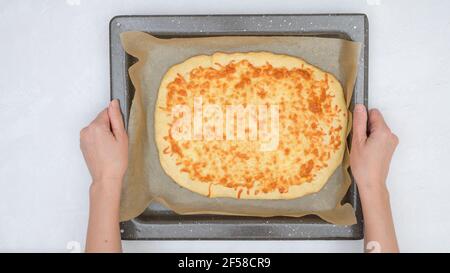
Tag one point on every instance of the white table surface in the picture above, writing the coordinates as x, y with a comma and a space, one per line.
54, 78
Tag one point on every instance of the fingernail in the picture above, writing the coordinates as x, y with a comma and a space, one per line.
360, 108
113, 103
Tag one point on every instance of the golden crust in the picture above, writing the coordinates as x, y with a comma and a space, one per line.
171, 163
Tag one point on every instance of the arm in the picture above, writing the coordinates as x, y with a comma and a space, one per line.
370, 157
104, 144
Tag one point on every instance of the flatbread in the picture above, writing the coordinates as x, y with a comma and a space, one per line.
312, 126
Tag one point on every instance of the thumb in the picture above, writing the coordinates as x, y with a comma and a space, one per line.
359, 124
115, 117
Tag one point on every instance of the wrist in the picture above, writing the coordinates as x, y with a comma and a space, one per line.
110, 188
374, 193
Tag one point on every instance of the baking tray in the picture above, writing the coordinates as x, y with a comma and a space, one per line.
160, 223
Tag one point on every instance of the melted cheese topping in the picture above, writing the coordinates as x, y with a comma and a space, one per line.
309, 122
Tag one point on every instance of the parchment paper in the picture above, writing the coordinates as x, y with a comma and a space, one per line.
147, 182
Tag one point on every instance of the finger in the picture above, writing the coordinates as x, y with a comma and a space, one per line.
115, 118
376, 121
83, 132
395, 139
359, 124
102, 119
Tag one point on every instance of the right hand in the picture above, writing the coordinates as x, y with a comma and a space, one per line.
371, 150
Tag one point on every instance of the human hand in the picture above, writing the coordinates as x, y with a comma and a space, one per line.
372, 150
104, 144
370, 157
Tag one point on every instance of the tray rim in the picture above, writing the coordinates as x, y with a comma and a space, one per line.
132, 229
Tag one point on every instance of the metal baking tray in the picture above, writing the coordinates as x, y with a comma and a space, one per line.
160, 223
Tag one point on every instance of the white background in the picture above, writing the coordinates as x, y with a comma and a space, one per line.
54, 78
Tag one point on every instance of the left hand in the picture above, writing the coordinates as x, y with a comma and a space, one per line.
104, 144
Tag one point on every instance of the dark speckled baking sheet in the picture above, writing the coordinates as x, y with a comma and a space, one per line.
159, 223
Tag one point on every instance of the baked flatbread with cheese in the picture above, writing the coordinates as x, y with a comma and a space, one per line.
312, 126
